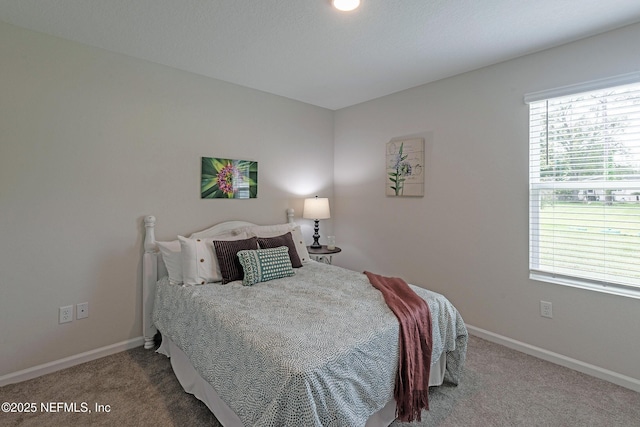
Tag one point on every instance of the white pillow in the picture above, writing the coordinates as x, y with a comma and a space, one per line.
199, 261
172, 260
278, 230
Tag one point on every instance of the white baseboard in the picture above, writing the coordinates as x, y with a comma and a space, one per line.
558, 359
56, 365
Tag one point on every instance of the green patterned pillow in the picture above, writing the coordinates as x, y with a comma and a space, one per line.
260, 265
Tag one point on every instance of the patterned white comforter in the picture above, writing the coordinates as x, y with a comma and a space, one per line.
316, 349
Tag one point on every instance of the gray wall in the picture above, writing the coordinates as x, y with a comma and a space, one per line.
468, 236
90, 143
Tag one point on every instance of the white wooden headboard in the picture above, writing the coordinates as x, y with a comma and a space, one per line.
153, 267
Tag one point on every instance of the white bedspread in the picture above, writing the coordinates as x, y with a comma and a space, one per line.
319, 348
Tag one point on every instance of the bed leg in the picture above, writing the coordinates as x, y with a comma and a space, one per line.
149, 343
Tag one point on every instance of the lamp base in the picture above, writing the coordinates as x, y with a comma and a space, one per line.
316, 237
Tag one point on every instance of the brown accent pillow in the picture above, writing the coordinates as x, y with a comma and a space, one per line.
227, 251
284, 240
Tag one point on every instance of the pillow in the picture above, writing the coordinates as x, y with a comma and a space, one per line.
172, 260
198, 259
277, 230
284, 240
262, 265
226, 251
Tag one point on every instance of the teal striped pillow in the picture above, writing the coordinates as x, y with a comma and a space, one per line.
260, 265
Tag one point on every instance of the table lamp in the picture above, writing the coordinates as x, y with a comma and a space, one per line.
316, 208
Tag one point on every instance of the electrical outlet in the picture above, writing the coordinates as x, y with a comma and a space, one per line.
82, 310
546, 309
65, 314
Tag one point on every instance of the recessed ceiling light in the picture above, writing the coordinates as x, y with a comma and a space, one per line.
345, 5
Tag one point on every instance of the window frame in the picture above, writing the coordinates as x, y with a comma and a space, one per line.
621, 289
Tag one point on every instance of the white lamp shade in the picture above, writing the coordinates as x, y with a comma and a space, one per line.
316, 208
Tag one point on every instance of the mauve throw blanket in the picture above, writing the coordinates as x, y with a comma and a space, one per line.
412, 380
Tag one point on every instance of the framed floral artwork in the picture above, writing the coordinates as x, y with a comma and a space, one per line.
228, 179
405, 168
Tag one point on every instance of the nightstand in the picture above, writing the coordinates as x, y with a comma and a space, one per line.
323, 254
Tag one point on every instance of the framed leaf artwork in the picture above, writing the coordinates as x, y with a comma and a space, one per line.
228, 179
405, 168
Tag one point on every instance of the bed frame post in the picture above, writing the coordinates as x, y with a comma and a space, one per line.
150, 235
290, 216
149, 279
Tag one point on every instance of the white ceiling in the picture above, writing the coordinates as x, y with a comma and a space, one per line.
305, 50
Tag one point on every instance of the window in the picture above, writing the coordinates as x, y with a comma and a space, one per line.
584, 187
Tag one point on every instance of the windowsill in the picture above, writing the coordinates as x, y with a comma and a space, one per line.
611, 289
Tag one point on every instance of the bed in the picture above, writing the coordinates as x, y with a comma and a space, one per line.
319, 347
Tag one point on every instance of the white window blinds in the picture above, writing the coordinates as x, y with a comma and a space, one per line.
584, 185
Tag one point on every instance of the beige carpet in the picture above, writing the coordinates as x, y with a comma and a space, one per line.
501, 387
